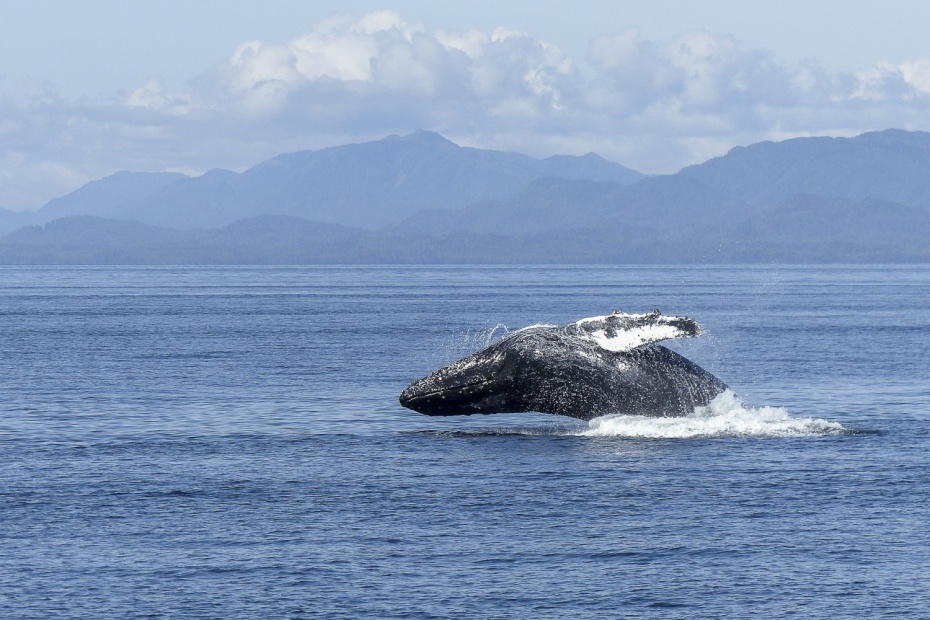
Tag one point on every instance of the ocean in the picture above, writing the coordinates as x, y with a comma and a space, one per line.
199, 442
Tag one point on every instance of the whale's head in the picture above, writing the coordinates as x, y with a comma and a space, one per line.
516, 374
480, 383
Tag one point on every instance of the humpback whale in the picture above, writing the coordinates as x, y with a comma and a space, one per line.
596, 366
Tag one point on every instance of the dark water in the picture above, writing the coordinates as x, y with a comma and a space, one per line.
226, 443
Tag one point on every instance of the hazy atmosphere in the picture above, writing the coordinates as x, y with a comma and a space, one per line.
490, 309
91, 88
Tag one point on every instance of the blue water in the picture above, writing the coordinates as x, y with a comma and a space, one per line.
227, 443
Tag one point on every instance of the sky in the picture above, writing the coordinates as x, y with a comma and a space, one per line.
94, 87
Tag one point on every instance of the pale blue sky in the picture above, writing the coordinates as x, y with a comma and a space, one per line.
91, 87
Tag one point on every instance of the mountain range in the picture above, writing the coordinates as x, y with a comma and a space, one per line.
423, 199
367, 185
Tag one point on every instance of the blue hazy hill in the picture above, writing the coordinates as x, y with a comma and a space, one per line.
367, 185
891, 165
802, 230
99, 198
422, 199
105, 195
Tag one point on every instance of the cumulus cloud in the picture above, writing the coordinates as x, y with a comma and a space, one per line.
381, 57
652, 105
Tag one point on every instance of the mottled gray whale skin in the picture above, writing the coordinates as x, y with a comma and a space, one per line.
595, 367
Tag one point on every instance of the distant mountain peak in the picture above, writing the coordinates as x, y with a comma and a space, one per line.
219, 173
104, 195
422, 136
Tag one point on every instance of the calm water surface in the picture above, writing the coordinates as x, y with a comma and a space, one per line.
227, 443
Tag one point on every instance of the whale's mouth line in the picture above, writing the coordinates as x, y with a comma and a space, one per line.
449, 392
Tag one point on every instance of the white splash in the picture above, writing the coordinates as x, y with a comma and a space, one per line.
725, 416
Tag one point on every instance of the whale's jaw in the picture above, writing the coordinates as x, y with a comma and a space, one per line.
477, 384
461, 400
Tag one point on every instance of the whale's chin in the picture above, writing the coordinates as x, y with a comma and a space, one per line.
480, 396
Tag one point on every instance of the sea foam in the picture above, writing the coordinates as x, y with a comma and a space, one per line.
725, 416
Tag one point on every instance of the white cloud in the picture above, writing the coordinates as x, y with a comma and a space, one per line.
653, 105
383, 56
917, 74
472, 43
152, 96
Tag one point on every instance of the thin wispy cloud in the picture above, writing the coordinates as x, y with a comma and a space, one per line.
652, 105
